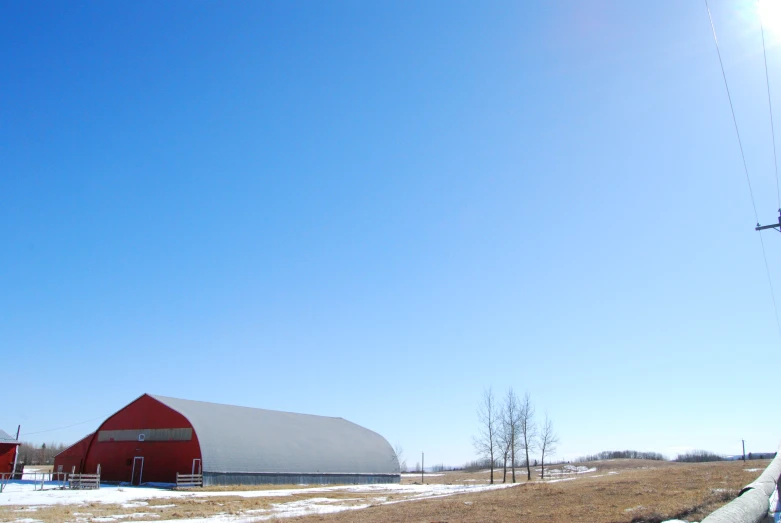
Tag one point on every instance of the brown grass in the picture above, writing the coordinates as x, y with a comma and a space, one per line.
184, 508
623, 491
641, 492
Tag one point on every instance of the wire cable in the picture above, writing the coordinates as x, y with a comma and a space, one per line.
743, 155
61, 428
770, 106
734, 120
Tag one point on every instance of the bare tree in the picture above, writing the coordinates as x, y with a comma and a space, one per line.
509, 436
547, 441
44, 455
398, 450
527, 430
486, 443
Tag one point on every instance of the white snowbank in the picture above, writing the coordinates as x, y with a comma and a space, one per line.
570, 469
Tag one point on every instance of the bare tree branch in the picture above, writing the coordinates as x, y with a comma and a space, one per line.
528, 430
486, 443
510, 431
398, 450
547, 441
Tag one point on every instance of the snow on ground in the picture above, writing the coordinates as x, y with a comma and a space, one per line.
23, 494
570, 469
33, 474
417, 475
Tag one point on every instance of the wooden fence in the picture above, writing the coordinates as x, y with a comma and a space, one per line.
83, 481
57, 480
189, 480
40, 480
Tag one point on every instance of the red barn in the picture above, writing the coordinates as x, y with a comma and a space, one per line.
154, 437
72, 458
8, 447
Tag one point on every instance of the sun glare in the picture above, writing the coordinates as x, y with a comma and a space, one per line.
770, 13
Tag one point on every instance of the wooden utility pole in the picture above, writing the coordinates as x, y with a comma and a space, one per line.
422, 465
744, 450
16, 453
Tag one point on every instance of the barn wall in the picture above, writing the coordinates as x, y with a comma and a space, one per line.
7, 454
115, 451
235, 478
73, 456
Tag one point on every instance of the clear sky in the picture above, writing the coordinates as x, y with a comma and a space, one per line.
374, 210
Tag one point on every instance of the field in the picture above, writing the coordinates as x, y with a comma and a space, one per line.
631, 491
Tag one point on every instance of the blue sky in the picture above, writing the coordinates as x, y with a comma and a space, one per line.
374, 210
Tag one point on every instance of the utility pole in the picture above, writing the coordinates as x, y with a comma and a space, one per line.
744, 450
422, 465
776, 226
16, 453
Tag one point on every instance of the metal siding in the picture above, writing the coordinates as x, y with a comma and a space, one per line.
149, 435
211, 478
7, 455
246, 440
73, 456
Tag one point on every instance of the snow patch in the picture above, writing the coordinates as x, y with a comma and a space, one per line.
24, 494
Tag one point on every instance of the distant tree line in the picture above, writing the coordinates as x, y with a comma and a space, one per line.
44, 454
445, 468
478, 465
694, 456
761, 455
699, 456
621, 454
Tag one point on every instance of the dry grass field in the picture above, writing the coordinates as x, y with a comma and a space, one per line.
619, 491
626, 491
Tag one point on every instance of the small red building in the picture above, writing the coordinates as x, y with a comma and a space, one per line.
8, 449
155, 437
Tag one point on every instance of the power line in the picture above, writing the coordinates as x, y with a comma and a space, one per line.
61, 428
775, 163
743, 155
770, 106
734, 120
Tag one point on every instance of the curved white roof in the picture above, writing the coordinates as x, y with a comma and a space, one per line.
247, 440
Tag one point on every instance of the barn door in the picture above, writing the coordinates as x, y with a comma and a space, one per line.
196, 466
138, 470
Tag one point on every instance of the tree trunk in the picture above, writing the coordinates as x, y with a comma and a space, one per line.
542, 464
512, 455
528, 465
492, 468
